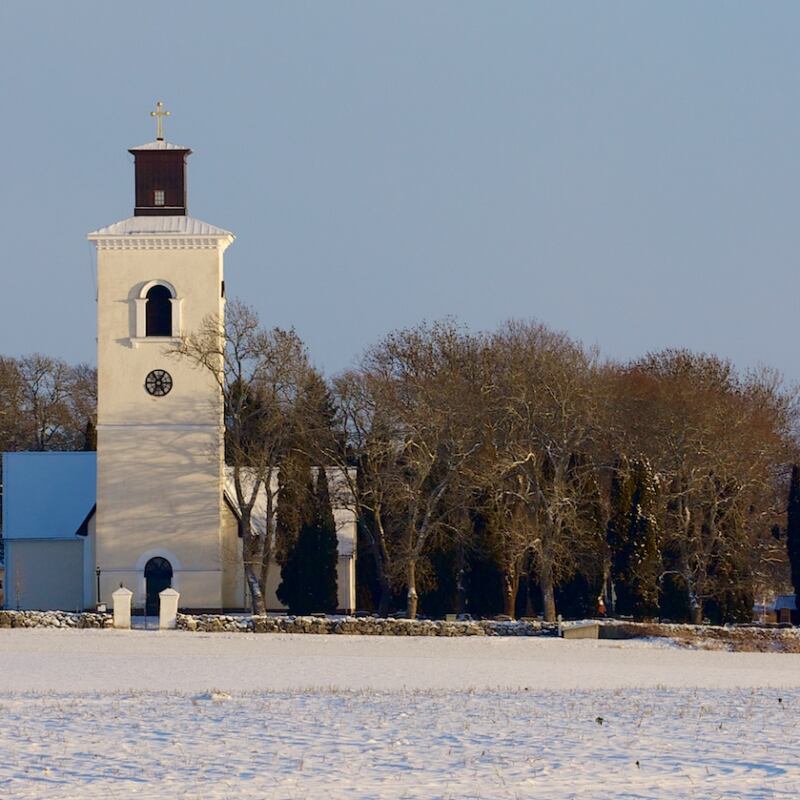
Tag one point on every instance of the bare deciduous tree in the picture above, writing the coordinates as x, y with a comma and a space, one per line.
542, 431
716, 439
45, 404
425, 381
366, 439
260, 374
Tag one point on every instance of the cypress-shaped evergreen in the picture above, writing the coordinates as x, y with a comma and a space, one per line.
324, 578
617, 534
793, 531
633, 540
90, 436
308, 576
295, 507
733, 596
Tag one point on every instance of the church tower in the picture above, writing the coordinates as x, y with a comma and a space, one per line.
159, 432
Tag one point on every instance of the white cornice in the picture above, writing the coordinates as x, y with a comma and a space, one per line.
140, 242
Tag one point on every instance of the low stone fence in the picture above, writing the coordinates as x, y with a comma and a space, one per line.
54, 619
752, 638
742, 638
354, 626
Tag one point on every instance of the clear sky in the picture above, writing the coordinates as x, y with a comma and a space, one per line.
625, 171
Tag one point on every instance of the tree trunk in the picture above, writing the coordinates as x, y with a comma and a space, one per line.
259, 607
385, 598
262, 580
461, 580
267, 545
528, 598
413, 599
265, 561
548, 596
510, 589
696, 609
381, 558
252, 557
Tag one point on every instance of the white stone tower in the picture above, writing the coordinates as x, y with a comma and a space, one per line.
159, 431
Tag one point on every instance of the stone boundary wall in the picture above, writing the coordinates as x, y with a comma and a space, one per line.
54, 619
367, 626
742, 638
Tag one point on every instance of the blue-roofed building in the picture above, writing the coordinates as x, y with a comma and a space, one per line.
48, 529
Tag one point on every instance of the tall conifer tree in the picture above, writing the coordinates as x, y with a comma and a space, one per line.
793, 531
326, 561
633, 539
90, 436
617, 534
308, 574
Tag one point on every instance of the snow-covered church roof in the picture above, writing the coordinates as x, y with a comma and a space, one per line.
160, 226
160, 144
47, 495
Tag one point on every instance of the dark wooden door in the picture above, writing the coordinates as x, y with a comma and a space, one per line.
157, 577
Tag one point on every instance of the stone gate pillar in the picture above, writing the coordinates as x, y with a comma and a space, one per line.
168, 609
122, 607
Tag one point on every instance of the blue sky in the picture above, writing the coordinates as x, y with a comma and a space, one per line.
624, 171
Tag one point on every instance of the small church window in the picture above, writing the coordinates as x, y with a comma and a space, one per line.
158, 199
158, 314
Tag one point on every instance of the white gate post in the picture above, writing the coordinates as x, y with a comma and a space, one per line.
122, 607
168, 609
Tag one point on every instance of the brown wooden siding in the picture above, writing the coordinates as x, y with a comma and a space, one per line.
165, 171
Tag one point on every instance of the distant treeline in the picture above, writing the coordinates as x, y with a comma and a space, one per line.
46, 404
515, 471
506, 472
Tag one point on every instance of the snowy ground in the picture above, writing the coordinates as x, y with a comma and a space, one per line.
99, 714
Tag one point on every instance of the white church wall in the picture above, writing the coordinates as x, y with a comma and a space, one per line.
44, 574
273, 581
346, 583
346, 531
159, 485
233, 593
124, 360
90, 599
159, 489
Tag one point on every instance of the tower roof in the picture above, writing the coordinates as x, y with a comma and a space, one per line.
159, 144
159, 213
177, 225
168, 232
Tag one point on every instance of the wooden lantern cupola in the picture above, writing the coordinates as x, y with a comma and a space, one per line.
160, 169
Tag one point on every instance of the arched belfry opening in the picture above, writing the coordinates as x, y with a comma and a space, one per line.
158, 312
157, 577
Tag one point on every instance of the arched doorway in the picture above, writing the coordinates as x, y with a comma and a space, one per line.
157, 577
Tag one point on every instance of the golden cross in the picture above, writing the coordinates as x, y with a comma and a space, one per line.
159, 114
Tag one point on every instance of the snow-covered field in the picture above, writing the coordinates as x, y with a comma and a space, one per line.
100, 714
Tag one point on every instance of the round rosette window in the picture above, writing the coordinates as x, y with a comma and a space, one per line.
158, 382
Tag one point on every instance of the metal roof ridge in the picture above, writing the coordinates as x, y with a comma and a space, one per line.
190, 227
160, 144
